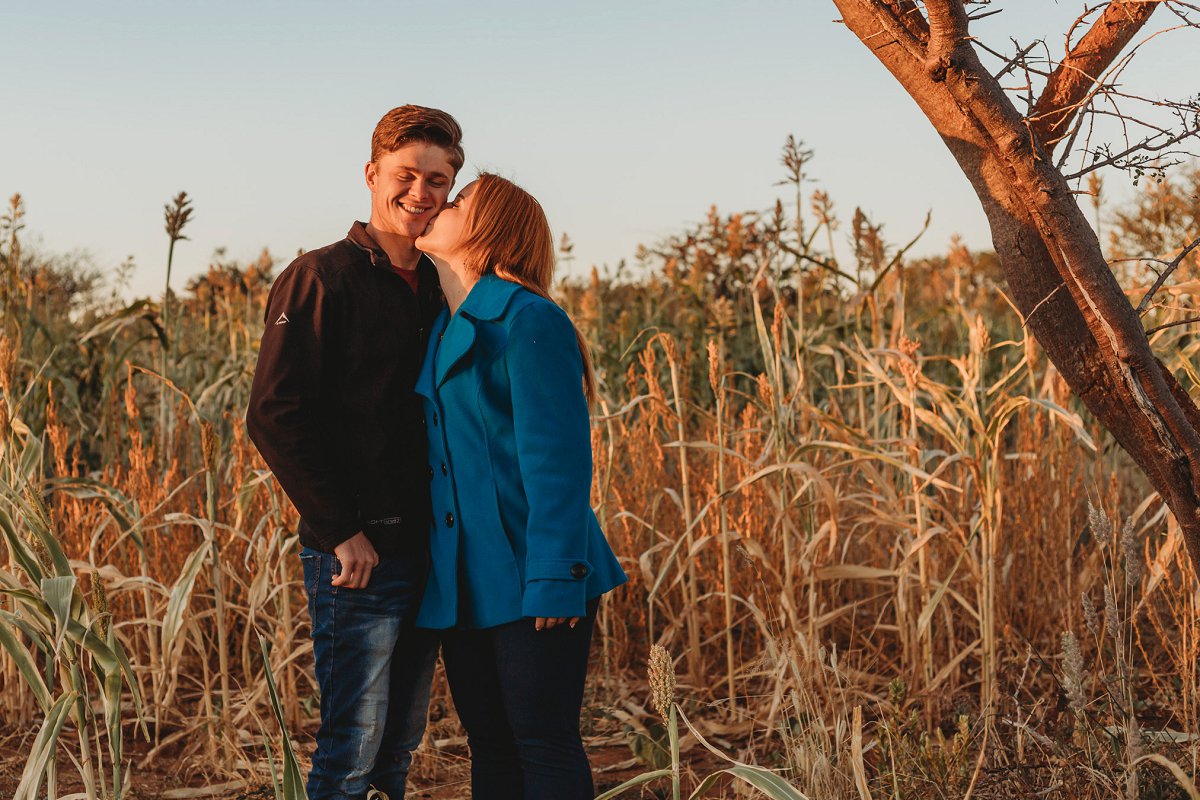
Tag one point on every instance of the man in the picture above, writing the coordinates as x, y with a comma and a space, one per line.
333, 413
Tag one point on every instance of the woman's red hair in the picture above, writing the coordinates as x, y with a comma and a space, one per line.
507, 234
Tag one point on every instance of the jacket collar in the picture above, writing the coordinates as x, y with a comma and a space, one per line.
488, 298
486, 301
361, 238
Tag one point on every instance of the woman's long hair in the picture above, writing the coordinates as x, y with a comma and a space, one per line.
508, 235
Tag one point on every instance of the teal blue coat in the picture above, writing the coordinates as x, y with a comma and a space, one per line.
510, 460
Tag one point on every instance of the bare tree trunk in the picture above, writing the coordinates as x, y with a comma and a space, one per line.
1051, 256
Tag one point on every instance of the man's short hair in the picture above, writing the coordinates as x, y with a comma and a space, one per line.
408, 124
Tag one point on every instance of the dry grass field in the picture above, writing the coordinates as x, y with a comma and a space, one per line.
887, 556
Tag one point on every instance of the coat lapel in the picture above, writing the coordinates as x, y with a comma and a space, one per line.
486, 301
456, 343
425, 384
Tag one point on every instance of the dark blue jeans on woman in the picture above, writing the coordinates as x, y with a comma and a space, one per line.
518, 692
374, 670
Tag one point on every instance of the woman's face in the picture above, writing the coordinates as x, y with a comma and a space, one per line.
447, 230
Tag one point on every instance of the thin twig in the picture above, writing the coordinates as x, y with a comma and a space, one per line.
1143, 146
1177, 322
823, 264
1166, 273
1017, 59
1040, 303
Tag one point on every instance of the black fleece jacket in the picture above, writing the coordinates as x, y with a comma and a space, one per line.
332, 408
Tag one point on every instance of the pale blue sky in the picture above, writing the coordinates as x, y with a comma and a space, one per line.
626, 119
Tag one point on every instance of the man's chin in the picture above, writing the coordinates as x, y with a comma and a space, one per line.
408, 228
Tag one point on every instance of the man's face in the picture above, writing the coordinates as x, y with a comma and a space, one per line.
408, 188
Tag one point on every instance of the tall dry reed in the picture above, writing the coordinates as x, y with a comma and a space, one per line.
852, 497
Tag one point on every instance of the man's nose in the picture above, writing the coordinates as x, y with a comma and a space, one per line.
421, 190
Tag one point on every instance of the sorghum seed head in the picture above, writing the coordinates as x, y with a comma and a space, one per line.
1110, 613
208, 444
1090, 617
1099, 524
41, 516
979, 335
8, 362
669, 348
99, 604
1133, 555
661, 671
131, 409
714, 365
40, 512
765, 392
1072, 672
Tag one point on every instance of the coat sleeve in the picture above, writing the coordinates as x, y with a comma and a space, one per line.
554, 453
284, 419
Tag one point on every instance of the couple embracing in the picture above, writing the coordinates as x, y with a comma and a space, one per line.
424, 405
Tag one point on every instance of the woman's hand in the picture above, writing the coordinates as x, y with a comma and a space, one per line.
541, 623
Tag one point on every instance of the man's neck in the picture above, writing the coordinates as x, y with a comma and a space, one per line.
401, 250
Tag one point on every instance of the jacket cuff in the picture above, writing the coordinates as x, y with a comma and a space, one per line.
555, 587
555, 599
332, 538
557, 569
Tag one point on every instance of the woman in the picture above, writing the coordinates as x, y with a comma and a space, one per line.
518, 558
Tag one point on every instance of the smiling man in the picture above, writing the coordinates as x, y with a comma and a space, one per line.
333, 413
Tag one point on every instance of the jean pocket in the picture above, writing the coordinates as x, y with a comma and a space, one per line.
310, 561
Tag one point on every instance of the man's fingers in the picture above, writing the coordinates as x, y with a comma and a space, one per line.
354, 575
356, 558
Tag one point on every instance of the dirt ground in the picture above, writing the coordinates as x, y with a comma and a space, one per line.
440, 772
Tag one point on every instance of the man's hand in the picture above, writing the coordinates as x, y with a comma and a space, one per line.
358, 557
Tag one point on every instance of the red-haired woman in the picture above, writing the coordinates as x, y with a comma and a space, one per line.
518, 559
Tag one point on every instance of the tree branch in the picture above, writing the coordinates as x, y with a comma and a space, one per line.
947, 33
1072, 81
909, 15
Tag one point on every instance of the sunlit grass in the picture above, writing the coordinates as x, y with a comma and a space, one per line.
852, 498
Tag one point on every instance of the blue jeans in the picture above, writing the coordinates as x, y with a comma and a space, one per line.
374, 670
518, 692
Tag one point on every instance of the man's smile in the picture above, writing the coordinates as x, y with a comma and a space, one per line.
415, 210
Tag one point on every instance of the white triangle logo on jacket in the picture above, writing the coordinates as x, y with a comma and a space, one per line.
283, 318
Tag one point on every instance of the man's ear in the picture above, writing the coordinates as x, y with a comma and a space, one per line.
370, 173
